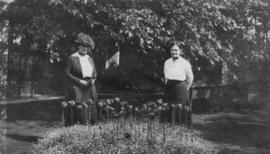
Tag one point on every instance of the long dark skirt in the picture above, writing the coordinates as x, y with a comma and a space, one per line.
83, 95
177, 97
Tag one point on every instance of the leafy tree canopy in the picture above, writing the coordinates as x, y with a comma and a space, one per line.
228, 31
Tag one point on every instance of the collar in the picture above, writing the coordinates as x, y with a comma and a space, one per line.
177, 59
76, 54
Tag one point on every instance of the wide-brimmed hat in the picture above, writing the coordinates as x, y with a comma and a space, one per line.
85, 40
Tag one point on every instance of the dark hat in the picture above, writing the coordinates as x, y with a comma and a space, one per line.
85, 39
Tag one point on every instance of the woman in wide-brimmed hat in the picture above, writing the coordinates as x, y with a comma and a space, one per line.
178, 79
81, 74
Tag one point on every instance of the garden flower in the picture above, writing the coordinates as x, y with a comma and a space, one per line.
122, 103
159, 101
130, 106
180, 106
104, 103
117, 100
72, 102
84, 104
91, 101
64, 104
100, 103
79, 106
108, 101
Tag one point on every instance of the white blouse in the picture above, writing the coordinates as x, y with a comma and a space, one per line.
179, 69
87, 68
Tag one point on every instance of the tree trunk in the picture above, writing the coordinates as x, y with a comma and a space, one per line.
3, 101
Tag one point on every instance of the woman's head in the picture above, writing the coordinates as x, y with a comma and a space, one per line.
84, 43
176, 51
82, 49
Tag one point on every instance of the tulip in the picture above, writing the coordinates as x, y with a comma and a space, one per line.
72, 103
100, 103
122, 103
104, 103
85, 105
109, 102
159, 101
90, 101
180, 106
79, 106
64, 104
116, 99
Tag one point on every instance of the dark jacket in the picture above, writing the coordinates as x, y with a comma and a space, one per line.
73, 72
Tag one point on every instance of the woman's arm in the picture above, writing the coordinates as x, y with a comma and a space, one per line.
94, 70
94, 76
68, 71
189, 75
164, 71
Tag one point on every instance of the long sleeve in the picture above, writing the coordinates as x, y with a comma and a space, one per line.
164, 72
95, 72
94, 68
92, 63
189, 75
68, 71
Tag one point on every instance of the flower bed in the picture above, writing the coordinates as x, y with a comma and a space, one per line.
133, 138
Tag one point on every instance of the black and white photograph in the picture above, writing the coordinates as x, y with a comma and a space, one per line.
134, 76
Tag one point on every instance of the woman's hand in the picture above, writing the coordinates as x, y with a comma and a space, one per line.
93, 81
84, 83
165, 81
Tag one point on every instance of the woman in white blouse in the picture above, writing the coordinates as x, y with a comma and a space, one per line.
178, 79
81, 72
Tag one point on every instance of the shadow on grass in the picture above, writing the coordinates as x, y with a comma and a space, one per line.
47, 111
30, 139
53, 124
237, 130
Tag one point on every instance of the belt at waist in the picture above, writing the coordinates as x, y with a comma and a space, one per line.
176, 81
88, 78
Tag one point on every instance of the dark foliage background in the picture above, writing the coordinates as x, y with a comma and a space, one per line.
226, 33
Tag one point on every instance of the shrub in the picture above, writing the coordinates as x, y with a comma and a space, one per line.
109, 138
